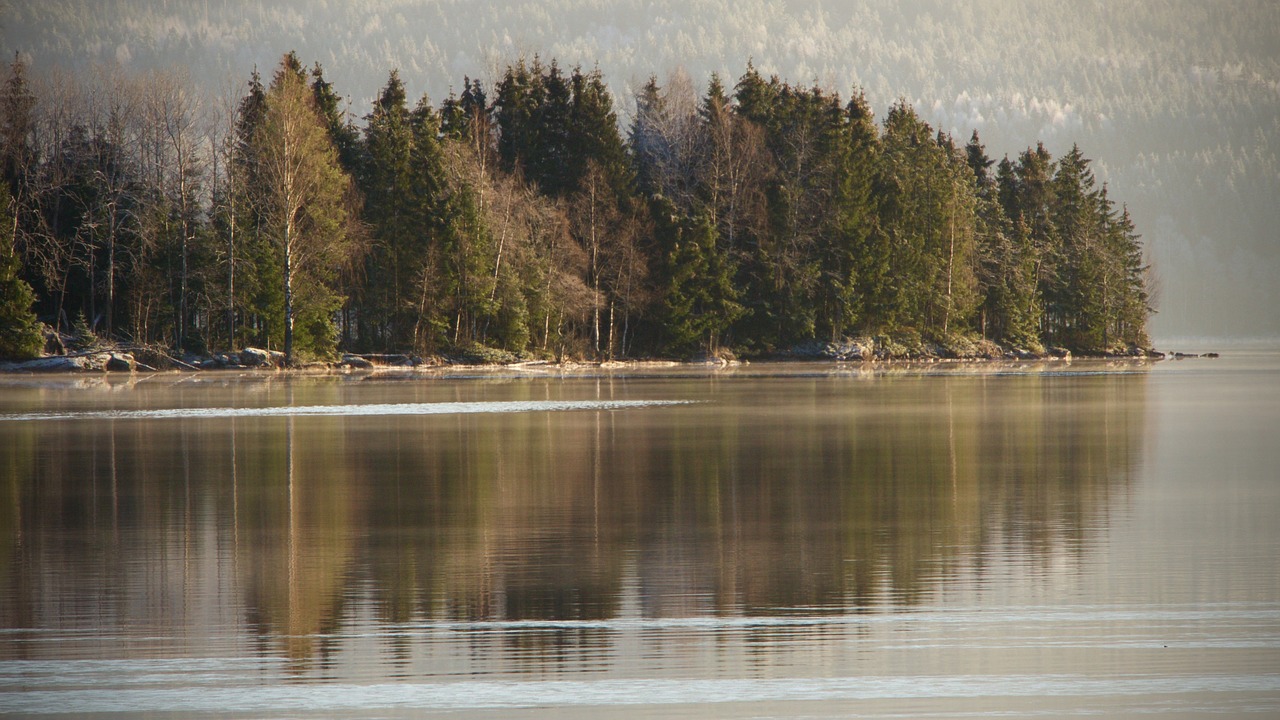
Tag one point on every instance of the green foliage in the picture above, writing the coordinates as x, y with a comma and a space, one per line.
928, 213
516, 218
304, 207
701, 303
20, 335
394, 212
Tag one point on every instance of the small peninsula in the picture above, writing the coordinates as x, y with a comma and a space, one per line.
143, 226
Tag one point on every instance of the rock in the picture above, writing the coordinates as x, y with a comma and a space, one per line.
93, 362
120, 362
356, 362
852, 350
1059, 353
253, 357
1210, 355
57, 363
932, 350
257, 357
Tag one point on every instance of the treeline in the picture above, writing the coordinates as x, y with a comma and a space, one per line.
523, 217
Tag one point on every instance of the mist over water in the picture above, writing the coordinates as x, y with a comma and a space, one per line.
786, 540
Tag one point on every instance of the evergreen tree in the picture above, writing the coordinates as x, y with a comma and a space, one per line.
343, 133
17, 122
20, 336
928, 195
700, 300
1079, 218
516, 108
645, 141
1133, 306
1009, 310
548, 162
849, 262
594, 138
387, 310
1030, 200
430, 287
256, 295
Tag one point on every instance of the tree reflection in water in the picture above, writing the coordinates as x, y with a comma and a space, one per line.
533, 535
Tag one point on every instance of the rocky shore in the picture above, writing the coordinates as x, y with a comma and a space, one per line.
100, 358
886, 348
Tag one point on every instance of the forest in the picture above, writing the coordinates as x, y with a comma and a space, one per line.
524, 219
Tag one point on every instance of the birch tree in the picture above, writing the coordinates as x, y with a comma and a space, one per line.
304, 208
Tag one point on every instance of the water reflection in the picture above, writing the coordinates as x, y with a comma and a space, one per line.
537, 537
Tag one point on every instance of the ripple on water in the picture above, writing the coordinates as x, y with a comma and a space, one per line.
444, 408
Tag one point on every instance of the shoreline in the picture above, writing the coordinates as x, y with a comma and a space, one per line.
84, 353
117, 364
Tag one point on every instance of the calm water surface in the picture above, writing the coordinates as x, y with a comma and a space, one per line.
796, 541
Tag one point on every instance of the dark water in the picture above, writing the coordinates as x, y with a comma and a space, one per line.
799, 541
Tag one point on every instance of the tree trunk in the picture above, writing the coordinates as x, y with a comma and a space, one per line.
288, 293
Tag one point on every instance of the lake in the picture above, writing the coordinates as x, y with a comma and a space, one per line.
763, 541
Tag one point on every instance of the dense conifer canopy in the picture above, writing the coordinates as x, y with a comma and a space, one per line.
525, 218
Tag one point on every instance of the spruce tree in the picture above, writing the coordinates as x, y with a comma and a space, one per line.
343, 133
1009, 310
429, 187
391, 266
846, 258
701, 301
20, 336
645, 141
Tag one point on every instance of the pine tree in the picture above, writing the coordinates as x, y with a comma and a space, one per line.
919, 194
255, 294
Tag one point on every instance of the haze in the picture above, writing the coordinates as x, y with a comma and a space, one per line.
1177, 103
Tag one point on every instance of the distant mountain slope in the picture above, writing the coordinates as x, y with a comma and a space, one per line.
1178, 102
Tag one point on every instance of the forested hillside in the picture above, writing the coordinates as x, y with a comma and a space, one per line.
524, 217
1177, 100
